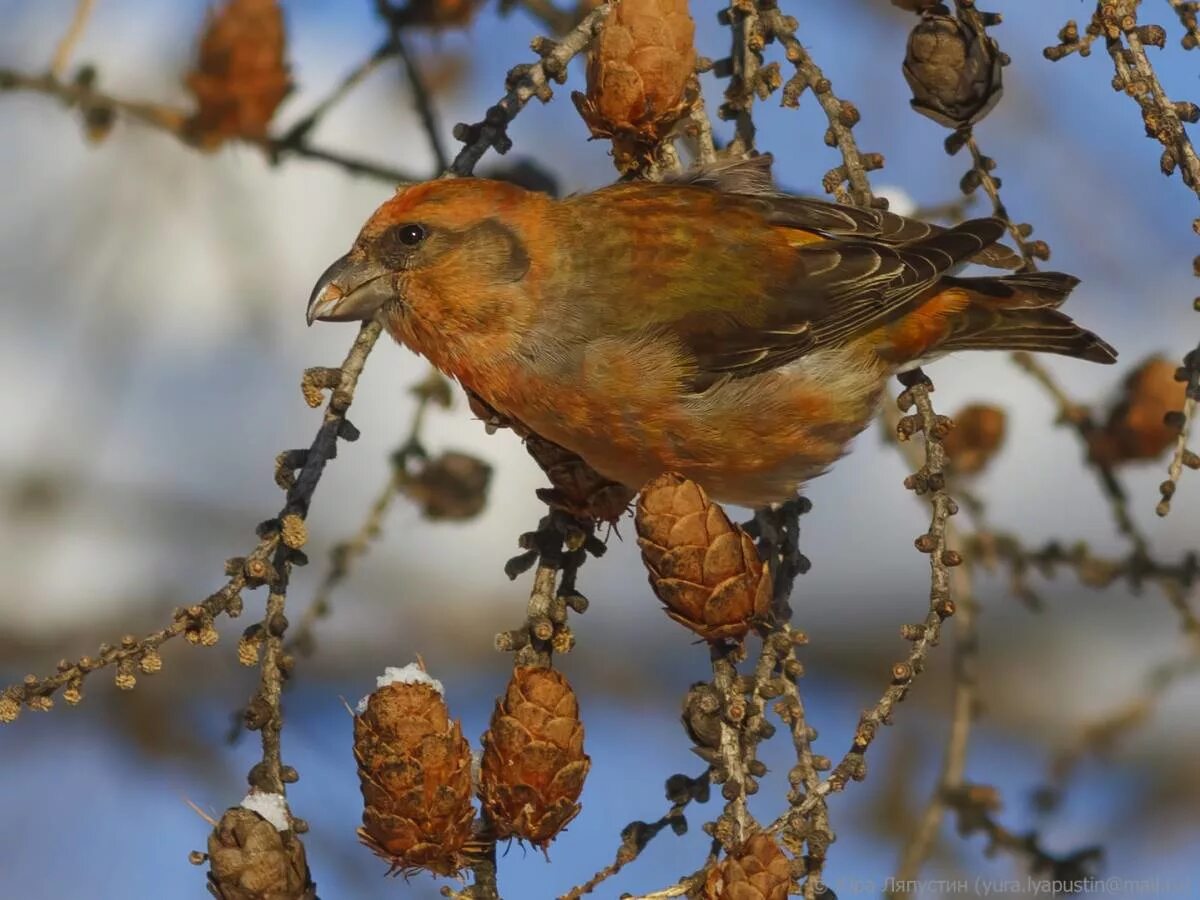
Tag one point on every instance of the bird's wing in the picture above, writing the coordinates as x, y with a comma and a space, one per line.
845, 288
752, 178
837, 220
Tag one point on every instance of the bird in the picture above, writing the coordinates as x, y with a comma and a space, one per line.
707, 324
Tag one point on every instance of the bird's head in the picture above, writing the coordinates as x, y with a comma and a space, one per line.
438, 257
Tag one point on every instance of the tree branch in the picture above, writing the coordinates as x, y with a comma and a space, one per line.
257, 568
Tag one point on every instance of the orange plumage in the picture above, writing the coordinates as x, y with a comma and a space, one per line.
709, 326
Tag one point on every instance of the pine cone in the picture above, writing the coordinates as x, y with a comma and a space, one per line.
241, 76
1136, 429
977, 436
954, 72
414, 767
703, 567
533, 761
759, 871
249, 859
578, 488
451, 486
640, 78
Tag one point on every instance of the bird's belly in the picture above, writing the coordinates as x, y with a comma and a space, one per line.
748, 441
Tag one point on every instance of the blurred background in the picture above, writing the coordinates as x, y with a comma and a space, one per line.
151, 341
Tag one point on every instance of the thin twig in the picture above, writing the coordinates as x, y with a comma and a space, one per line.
424, 103
66, 46
1187, 10
744, 63
1174, 579
1182, 456
353, 165
265, 710
813, 829
341, 557
929, 478
1070, 41
982, 170
699, 127
356, 76
1164, 121
269, 775
777, 674
841, 115
1071, 413
1126, 40
172, 120
255, 569
852, 766
524, 83
735, 824
343, 554
975, 806
921, 842
685, 887
982, 166
1163, 118
636, 836
82, 95
559, 547
1079, 418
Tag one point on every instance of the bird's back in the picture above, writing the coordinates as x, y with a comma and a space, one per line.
641, 254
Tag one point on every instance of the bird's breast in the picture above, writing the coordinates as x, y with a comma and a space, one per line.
748, 441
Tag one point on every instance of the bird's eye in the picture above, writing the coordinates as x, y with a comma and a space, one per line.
411, 235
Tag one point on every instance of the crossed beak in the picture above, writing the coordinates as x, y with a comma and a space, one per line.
352, 289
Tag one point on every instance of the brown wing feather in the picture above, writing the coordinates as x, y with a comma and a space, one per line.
1039, 330
854, 285
1020, 312
752, 177
871, 284
836, 220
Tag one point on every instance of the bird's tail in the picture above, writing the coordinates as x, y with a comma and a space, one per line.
1020, 312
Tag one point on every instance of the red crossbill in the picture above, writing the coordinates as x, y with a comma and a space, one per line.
709, 326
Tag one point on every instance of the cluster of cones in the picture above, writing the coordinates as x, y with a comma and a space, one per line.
418, 779
415, 769
641, 76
